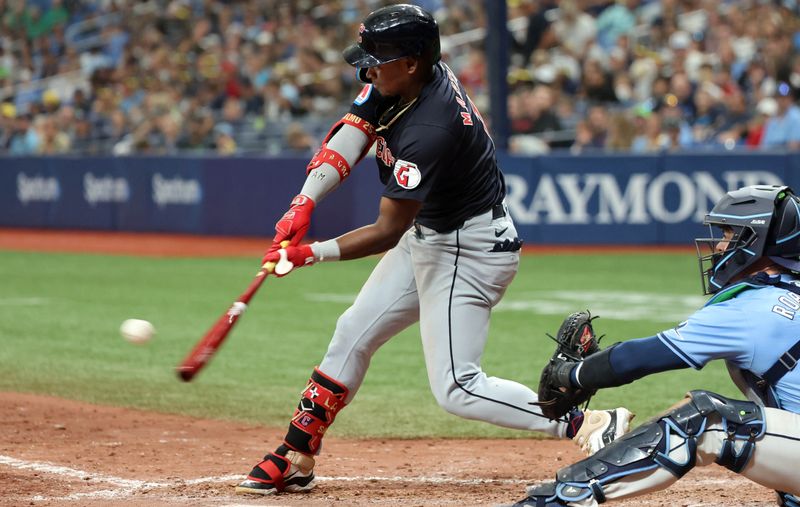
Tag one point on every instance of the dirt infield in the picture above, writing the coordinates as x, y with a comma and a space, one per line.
62, 452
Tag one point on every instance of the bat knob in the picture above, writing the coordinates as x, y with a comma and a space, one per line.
284, 265
184, 373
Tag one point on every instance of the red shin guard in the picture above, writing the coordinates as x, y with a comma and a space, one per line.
322, 399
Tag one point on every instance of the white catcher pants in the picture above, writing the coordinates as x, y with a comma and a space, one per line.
449, 282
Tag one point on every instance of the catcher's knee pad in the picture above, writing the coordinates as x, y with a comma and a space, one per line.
322, 399
669, 442
787, 500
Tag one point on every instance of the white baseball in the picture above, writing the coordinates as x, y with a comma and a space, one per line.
137, 331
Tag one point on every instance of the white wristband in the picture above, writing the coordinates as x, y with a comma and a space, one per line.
326, 251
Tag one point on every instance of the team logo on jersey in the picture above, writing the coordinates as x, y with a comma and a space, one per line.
407, 174
363, 96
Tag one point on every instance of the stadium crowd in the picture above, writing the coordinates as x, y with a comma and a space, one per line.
266, 76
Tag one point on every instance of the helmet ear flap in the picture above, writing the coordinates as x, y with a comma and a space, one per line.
740, 257
784, 237
362, 75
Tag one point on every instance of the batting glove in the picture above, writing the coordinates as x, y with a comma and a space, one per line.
285, 260
293, 225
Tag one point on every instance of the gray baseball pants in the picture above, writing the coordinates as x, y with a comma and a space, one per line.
449, 282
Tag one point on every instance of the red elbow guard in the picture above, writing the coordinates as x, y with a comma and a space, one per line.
326, 155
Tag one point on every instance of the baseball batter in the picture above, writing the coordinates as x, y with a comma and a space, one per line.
751, 323
452, 246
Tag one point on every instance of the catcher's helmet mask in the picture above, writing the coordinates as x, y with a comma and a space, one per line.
392, 33
763, 220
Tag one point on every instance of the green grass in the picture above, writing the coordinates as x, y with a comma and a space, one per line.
60, 317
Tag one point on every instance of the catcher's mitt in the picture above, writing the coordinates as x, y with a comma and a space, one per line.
576, 340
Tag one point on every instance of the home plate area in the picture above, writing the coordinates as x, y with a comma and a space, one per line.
61, 452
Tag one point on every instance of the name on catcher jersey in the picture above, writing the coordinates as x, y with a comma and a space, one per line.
435, 150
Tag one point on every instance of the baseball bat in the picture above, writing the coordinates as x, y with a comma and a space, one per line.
208, 345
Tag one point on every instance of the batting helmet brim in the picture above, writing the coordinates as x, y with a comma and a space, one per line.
357, 56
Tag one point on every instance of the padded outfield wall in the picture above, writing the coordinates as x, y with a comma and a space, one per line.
555, 199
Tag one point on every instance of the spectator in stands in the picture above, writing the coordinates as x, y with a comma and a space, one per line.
539, 32
684, 57
766, 108
591, 133
682, 90
197, 137
659, 91
677, 128
233, 114
82, 140
756, 82
672, 129
23, 139
597, 85
275, 58
252, 101
649, 135
733, 124
81, 101
165, 136
473, 74
621, 132
783, 129
50, 141
615, 21
573, 29
297, 139
708, 114
8, 113
51, 101
277, 104
533, 112
224, 143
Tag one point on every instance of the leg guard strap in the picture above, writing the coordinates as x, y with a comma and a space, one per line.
597, 491
271, 471
742, 421
322, 399
670, 442
541, 495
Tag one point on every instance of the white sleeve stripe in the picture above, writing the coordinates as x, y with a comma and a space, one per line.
678, 352
577, 374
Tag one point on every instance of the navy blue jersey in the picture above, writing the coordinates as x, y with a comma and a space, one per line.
435, 150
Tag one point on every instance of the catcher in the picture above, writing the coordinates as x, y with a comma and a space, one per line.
751, 322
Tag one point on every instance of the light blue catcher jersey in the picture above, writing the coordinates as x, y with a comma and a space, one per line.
750, 331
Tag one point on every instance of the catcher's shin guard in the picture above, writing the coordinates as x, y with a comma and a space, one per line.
669, 443
322, 399
787, 500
